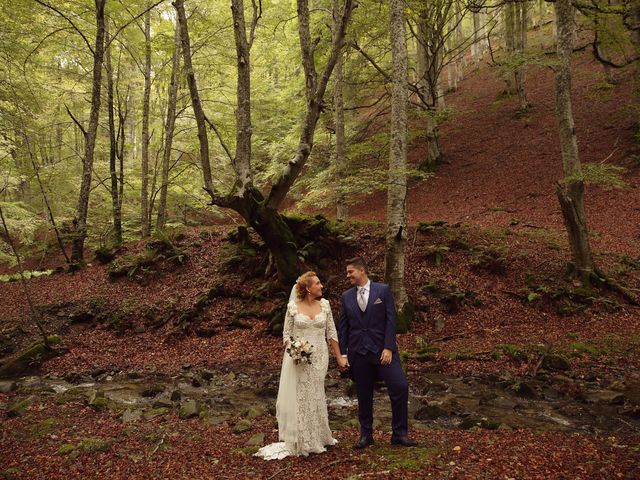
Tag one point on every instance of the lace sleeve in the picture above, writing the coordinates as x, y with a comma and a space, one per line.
287, 329
330, 330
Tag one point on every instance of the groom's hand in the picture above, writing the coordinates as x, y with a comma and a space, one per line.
385, 358
343, 363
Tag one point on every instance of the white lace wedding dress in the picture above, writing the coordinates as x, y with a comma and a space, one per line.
301, 408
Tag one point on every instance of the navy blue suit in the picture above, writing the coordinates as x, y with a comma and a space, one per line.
363, 336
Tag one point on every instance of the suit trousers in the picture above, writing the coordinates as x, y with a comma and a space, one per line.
366, 369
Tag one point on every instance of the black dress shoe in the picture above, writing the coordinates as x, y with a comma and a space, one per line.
404, 441
364, 442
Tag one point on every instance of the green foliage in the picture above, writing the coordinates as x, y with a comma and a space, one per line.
514, 352
491, 259
23, 224
604, 174
27, 275
436, 252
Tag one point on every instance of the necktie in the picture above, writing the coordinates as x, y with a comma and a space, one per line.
362, 303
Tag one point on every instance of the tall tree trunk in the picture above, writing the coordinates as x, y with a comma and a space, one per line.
508, 14
426, 72
169, 129
338, 103
571, 189
196, 104
123, 113
461, 60
396, 235
144, 190
113, 146
520, 23
476, 46
80, 220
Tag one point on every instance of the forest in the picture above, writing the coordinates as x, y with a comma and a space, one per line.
169, 169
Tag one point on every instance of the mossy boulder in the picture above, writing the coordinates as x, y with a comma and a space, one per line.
556, 363
189, 409
19, 406
242, 426
86, 445
31, 357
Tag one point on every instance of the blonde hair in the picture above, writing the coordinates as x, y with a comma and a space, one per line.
302, 283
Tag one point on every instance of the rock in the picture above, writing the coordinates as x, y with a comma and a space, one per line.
430, 412
210, 419
163, 402
10, 474
267, 392
32, 356
152, 390
189, 409
73, 377
96, 399
195, 381
131, 416
97, 371
435, 387
242, 426
254, 412
155, 412
469, 423
255, 441
176, 396
556, 363
19, 406
7, 386
523, 390
499, 402
606, 397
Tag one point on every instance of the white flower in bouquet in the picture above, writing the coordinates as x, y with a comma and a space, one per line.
300, 350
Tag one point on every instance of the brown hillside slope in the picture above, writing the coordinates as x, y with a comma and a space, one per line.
503, 166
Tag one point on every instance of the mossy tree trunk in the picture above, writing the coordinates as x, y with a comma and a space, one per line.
258, 210
80, 220
571, 189
396, 235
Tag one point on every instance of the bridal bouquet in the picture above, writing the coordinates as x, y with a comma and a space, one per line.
300, 350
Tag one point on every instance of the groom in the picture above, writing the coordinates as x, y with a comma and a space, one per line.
367, 334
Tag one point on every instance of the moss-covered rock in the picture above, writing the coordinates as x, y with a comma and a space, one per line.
19, 406
189, 409
31, 357
242, 426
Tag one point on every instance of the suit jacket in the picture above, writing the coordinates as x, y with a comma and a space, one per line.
372, 330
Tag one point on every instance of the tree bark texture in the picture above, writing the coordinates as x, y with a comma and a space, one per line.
169, 128
113, 144
146, 96
571, 189
338, 104
396, 234
80, 221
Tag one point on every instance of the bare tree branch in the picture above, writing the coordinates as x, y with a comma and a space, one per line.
73, 25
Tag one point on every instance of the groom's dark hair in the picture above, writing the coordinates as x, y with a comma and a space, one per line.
357, 262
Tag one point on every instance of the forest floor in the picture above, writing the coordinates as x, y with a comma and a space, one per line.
515, 372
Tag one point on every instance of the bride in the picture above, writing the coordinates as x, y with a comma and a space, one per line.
301, 408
